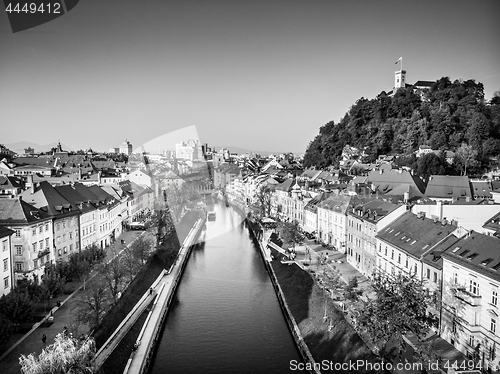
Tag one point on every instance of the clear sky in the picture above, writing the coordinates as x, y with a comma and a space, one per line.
261, 75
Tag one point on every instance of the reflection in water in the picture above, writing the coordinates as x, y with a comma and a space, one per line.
228, 318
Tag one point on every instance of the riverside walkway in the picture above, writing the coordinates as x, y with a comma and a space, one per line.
163, 292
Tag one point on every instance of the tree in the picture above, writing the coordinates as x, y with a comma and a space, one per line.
113, 273
465, 157
351, 291
52, 281
430, 164
66, 355
398, 308
290, 234
264, 197
93, 302
16, 307
142, 248
130, 264
6, 329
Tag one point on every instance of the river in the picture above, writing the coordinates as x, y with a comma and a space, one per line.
225, 316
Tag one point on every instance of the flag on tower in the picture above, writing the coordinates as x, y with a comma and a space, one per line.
399, 59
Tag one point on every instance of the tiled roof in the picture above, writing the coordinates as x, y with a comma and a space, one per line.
493, 224
337, 203
386, 180
481, 189
285, 186
4, 231
47, 199
374, 211
414, 235
447, 186
18, 211
75, 198
41, 161
478, 252
312, 205
7, 182
434, 257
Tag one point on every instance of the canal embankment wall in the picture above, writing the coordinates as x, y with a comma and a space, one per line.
142, 356
292, 324
326, 340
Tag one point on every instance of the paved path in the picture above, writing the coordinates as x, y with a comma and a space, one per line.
138, 361
63, 317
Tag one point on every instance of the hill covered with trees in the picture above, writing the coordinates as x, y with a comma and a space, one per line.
446, 116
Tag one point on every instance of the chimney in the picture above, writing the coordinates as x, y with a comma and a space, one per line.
439, 208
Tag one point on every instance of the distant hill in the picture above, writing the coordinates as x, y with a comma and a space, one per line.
244, 150
443, 117
19, 147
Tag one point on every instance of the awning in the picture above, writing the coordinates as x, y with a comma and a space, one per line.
268, 220
308, 229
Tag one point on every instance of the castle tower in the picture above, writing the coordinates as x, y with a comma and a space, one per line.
399, 79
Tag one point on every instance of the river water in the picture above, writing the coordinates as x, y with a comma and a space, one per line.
225, 317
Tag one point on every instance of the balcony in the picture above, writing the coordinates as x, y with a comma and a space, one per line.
43, 253
467, 297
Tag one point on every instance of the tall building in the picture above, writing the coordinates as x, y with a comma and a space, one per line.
190, 150
126, 147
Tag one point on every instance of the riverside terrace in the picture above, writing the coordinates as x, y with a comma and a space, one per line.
323, 264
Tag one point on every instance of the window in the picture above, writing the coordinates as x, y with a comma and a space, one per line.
474, 287
494, 297
492, 352
71, 247
6, 282
59, 252
493, 325
19, 250
5, 265
34, 231
471, 341
65, 249
455, 278
415, 268
386, 250
399, 258
406, 265
428, 273
19, 266
4, 246
392, 255
40, 229
435, 277
35, 263
46, 227
71, 235
47, 242
34, 247
41, 244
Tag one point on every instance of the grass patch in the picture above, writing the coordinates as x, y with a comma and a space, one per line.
307, 305
116, 362
162, 259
